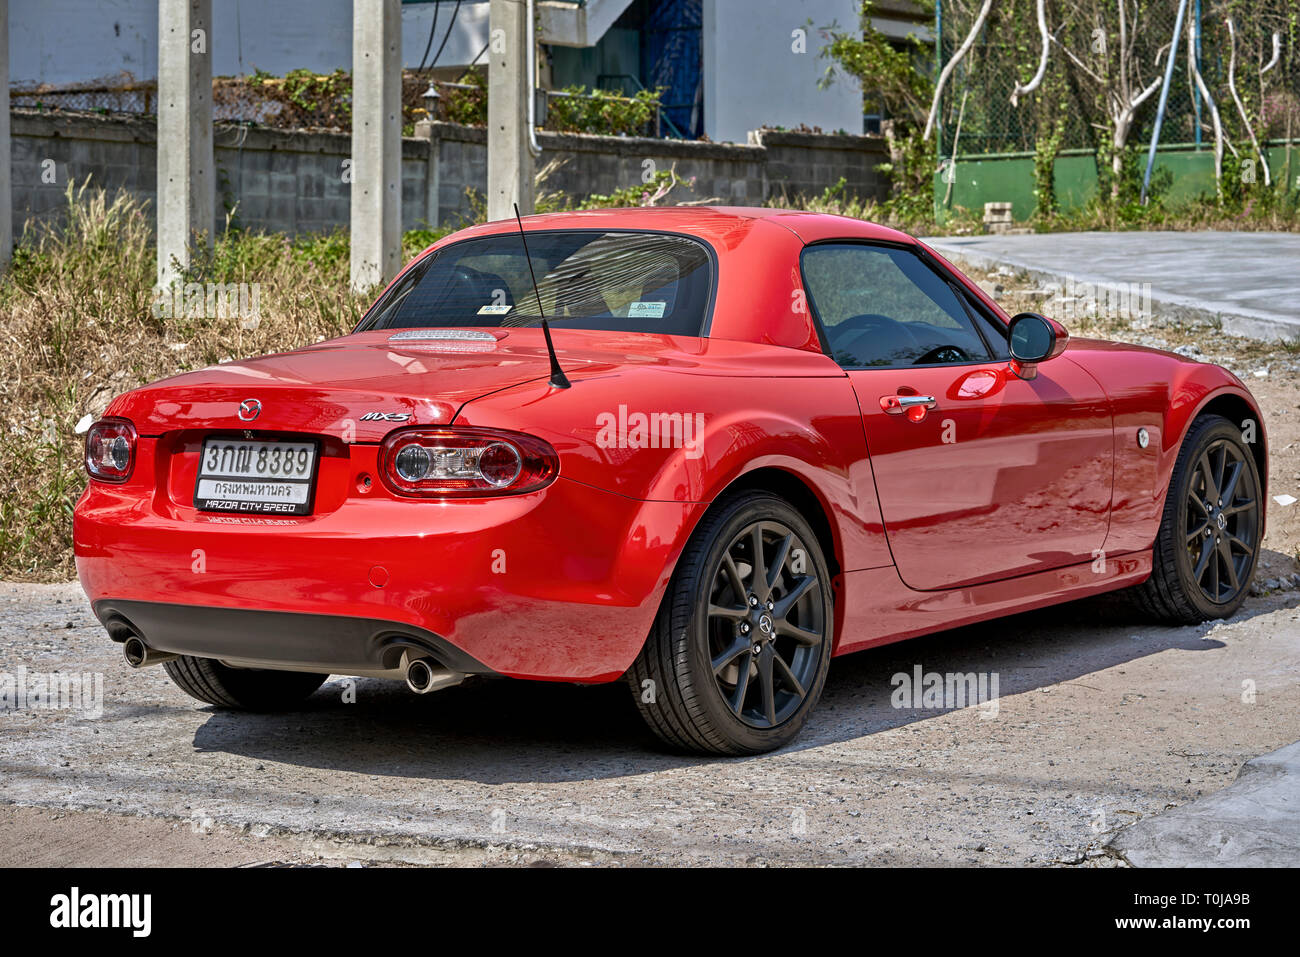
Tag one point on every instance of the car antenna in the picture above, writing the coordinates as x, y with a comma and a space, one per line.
558, 379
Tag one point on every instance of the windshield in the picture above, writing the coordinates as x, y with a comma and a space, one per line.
587, 279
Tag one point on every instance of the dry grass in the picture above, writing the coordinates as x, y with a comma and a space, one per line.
78, 320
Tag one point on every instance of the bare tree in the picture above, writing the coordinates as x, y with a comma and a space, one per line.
1117, 75
1219, 138
1236, 98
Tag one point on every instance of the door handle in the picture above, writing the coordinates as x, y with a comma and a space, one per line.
916, 406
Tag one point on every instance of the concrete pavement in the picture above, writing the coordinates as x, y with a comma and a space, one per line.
1248, 281
1254, 822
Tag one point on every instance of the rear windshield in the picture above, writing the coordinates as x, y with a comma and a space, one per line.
588, 279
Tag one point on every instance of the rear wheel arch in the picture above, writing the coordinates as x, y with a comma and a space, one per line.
801, 495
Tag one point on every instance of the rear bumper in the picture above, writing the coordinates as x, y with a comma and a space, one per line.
562, 584
328, 644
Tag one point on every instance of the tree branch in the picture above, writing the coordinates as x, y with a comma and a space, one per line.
1277, 54
948, 67
1042, 59
1209, 100
1079, 63
1232, 88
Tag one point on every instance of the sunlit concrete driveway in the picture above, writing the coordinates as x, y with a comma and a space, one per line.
1249, 281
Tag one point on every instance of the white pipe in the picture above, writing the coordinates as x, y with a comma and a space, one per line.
531, 66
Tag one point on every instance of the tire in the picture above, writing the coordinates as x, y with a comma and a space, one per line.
1196, 526
688, 703
244, 689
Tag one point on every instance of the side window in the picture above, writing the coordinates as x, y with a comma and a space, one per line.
885, 308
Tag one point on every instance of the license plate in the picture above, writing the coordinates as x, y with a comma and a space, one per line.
262, 478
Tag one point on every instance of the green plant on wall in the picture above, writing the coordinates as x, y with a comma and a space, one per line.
579, 110
466, 103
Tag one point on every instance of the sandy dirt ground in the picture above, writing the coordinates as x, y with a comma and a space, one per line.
1103, 719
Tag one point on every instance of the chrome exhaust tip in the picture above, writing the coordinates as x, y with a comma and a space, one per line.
419, 676
140, 655
424, 675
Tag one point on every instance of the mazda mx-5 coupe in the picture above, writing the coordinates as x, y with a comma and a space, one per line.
702, 451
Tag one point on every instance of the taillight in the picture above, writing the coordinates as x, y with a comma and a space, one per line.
110, 450
457, 463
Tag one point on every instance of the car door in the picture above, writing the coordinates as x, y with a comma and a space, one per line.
981, 475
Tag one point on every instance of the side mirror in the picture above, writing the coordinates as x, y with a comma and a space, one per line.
1034, 339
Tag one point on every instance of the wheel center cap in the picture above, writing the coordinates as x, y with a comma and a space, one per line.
1221, 520
765, 627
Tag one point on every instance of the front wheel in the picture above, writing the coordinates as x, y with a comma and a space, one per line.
738, 654
1210, 533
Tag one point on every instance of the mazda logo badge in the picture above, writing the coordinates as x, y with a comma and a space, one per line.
250, 409
765, 625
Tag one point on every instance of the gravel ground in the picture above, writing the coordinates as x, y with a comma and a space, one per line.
1103, 719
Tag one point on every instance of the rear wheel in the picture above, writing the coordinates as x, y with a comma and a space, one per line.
246, 689
738, 655
1205, 552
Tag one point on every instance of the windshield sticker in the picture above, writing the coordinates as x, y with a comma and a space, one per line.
494, 310
646, 310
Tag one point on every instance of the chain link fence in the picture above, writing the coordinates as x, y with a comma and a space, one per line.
1094, 66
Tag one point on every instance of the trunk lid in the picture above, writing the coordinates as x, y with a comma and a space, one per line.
357, 388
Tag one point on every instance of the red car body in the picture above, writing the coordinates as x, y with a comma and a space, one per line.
1046, 496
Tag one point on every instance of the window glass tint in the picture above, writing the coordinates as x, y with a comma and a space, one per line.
588, 279
884, 307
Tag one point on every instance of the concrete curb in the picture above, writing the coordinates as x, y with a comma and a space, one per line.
1232, 319
1253, 822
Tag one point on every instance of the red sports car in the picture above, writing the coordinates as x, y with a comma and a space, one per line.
742, 442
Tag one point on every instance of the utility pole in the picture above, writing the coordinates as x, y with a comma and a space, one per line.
186, 168
376, 170
6, 172
510, 162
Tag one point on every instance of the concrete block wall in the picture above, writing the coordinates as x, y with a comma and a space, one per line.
293, 181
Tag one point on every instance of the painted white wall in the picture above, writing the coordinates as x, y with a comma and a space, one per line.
62, 42
753, 78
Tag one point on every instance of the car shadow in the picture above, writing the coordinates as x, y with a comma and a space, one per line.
498, 731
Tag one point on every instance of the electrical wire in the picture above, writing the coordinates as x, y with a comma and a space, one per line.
432, 30
446, 36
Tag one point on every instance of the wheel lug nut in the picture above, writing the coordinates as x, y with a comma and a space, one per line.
753, 600
744, 628
757, 647
771, 606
